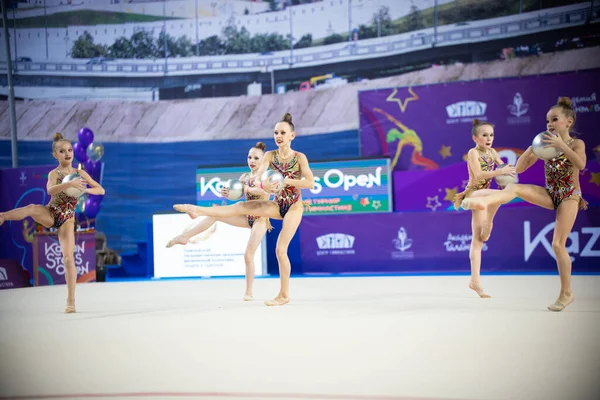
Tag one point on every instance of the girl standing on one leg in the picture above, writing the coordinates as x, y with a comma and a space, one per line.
480, 164
60, 211
258, 225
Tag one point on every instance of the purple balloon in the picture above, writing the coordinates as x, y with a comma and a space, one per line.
86, 137
96, 197
80, 153
91, 207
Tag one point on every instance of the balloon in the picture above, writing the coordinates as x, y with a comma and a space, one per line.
86, 136
92, 207
80, 207
79, 152
95, 151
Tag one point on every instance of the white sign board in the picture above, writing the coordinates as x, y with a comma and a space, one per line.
219, 252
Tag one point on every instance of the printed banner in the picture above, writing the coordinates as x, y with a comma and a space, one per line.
49, 263
12, 276
20, 187
427, 242
429, 126
219, 250
341, 187
435, 190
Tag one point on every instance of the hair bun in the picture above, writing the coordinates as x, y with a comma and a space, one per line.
287, 117
260, 146
57, 136
565, 102
476, 122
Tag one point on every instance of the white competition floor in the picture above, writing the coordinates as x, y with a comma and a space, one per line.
340, 338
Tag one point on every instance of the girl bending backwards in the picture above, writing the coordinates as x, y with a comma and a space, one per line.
60, 211
258, 225
562, 192
286, 205
480, 164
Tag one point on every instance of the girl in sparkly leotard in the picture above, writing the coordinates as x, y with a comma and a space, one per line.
59, 212
480, 164
562, 192
258, 225
287, 206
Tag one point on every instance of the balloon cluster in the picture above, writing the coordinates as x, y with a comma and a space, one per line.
88, 153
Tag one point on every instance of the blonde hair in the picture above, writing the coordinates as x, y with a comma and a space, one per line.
56, 138
287, 117
566, 106
477, 123
260, 146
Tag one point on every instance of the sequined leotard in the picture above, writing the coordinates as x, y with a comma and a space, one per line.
560, 180
251, 182
289, 195
486, 162
61, 206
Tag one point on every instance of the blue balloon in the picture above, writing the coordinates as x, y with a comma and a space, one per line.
86, 136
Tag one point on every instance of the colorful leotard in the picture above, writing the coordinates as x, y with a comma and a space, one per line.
61, 206
486, 162
251, 182
289, 195
560, 181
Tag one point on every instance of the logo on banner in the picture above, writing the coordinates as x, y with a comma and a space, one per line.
335, 178
3, 278
55, 261
518, 109
573, 243
465, 111
460, 242
585, 104
402, 243
23, 178
335, 244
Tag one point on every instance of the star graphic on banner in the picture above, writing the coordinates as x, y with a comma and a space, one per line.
364, 201
450, 193
445, 151
595, 178
433, 203
402, 103
465, 182
376, 204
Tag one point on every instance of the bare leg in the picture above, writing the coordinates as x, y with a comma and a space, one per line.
259, 228
533, 194
565, 218
66, 237
488, 223
39, 213
260, 208
184, 237
477, 219
290, 225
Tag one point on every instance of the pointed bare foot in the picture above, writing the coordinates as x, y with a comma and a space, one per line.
472, 204
179, 239
248, 297
185, 208
478, 289
1, 219
70, 309
562, 303
277, 301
